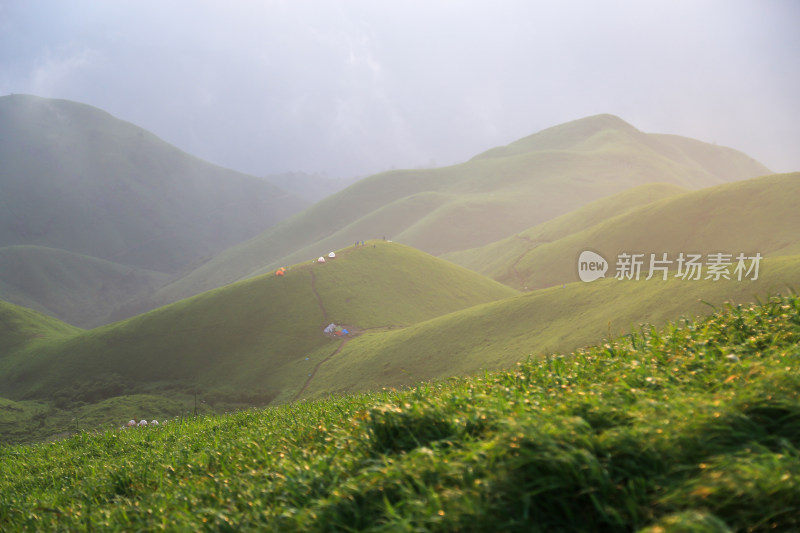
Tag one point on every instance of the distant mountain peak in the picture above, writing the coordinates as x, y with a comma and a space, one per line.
76, 178
563, 136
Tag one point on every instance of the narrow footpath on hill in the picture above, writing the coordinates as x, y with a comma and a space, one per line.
314, 372
354, 332
325, 317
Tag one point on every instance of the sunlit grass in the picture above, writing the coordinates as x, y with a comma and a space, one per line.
501, 192
249, 343
695, 426
560, 319
546, 255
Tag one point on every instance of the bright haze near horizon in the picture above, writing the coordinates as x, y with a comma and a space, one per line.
351, 88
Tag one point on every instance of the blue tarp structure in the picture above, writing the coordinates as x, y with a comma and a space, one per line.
333, 329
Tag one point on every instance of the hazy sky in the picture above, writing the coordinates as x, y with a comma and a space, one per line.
356, 87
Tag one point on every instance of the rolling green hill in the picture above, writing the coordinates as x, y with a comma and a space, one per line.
75, 288
691, 428
75, 178
28, 330
23, 327
492, 196
756, 215
498, 259
502, 333
257, 340
414, 317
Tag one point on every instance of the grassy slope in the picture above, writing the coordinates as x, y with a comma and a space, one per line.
20, 327
477, 202
693, 428
262, 336
76, 178
598, 132
18, 420
499, 334
498, 259
79, 289
38, 421
757, 215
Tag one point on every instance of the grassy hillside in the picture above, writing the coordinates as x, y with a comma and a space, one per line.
40, 421
255, 341
497, 194
26, 421
76, 288
75, 178
692, 428
498, 259
499, 334
597, 133
757, 215
19, 421
21, 327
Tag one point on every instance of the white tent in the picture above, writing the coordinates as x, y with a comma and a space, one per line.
321, 259
332, 255
330, 328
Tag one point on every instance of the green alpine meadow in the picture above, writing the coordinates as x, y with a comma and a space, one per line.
185, 347
745, 216
490, 197
694, 426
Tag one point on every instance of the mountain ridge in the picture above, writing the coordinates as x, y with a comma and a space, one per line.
481, 200
74, 177
723, 212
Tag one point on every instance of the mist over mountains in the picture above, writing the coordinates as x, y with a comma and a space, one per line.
372, 266
75, 179
169, 260
166, 225
493, 195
